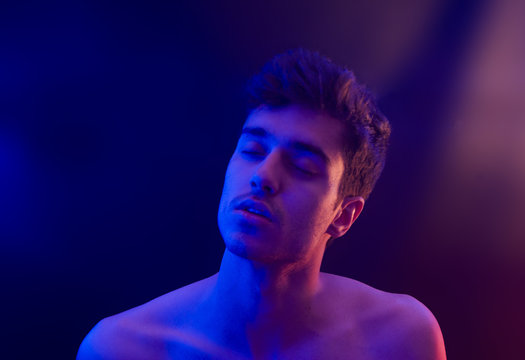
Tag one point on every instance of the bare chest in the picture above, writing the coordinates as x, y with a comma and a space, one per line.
341, 345
333, 346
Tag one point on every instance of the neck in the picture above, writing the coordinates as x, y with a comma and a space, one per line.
260, 303
266, 289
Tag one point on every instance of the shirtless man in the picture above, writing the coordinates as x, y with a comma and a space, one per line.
310, 152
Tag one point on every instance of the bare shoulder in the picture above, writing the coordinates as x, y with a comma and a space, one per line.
418, 335
395, 326
142, 332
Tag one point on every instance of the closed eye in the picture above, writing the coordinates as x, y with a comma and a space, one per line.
251, 149
253, 153
304, 166
304, 171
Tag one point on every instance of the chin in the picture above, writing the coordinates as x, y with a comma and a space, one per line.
237, 248
250, 247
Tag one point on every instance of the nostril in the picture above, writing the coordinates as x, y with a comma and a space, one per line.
268, 189
262, 185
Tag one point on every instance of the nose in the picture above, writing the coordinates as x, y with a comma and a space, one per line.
265, 180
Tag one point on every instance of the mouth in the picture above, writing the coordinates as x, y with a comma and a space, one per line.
255, 208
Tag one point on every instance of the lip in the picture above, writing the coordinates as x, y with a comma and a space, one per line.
254, 208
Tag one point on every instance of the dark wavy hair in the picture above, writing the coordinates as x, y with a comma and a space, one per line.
306, 78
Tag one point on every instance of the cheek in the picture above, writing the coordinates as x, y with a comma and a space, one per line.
314, 212
303, 206
232, 184
230, 179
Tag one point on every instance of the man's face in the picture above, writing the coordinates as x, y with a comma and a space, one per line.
281, 185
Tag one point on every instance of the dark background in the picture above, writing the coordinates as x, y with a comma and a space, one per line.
117, 122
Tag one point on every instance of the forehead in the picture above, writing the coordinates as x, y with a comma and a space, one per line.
299, 124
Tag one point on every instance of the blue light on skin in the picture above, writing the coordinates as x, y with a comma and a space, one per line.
290, 160
269, 298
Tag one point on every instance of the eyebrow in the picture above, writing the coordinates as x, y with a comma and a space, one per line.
295, 144
255, 131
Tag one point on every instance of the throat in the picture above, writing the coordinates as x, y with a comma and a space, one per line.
257, 294
258, 310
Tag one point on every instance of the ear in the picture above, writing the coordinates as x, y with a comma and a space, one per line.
347, 213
